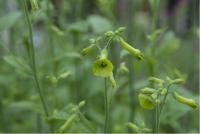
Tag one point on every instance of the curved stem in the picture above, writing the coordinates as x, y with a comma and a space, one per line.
32, 56
106, 108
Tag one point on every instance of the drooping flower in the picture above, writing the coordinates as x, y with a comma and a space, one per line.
146, 101
135, 52
189, 102
102, 67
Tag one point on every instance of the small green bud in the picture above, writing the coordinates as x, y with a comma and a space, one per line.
189, 102
34, 5
109, 34
92, 41
177, 81
87, 50
146, 130
64, 75
123, 69
163, 91
120, 30
133, 127
52, 79
57, 30
146, 101
135, 52
154, 95
147, 90
156, 80
81, 104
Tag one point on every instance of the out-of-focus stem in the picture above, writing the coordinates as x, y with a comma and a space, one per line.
32, 56
106, 108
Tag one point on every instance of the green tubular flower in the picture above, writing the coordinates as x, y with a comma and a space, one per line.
135, 52
146, 101
189, 102
102, 67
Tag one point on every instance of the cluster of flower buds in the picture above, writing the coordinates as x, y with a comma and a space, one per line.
150, 97
103, 67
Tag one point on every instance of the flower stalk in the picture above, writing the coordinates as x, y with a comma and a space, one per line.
32, 56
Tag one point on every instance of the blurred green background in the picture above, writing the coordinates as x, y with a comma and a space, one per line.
62, 29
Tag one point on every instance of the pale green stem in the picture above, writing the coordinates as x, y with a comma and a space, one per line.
157, 118
33, 57
106, 108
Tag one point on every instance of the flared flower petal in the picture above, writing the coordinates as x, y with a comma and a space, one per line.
102, 67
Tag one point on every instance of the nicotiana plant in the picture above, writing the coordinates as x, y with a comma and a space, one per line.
155, 98
103, 67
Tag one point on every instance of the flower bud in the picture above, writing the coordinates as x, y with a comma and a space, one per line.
163, 91
189, 102
133, 127
81, 104
147, 90
34, 5
64, 75
109, 34
156, 80
120, 30
87, 50
123, 69
177, 81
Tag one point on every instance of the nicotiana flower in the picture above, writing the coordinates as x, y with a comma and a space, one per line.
135, 52
146, 101
189, 102
102, 67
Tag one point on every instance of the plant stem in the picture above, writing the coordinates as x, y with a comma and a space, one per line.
157, 118
106, 108
32, 56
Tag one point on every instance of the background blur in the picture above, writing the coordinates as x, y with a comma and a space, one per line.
62, 29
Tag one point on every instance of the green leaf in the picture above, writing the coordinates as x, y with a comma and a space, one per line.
169, 44
9, 20
19, 64
155, 35
99, 24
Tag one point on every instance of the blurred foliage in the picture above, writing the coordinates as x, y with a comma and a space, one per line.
61, 30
